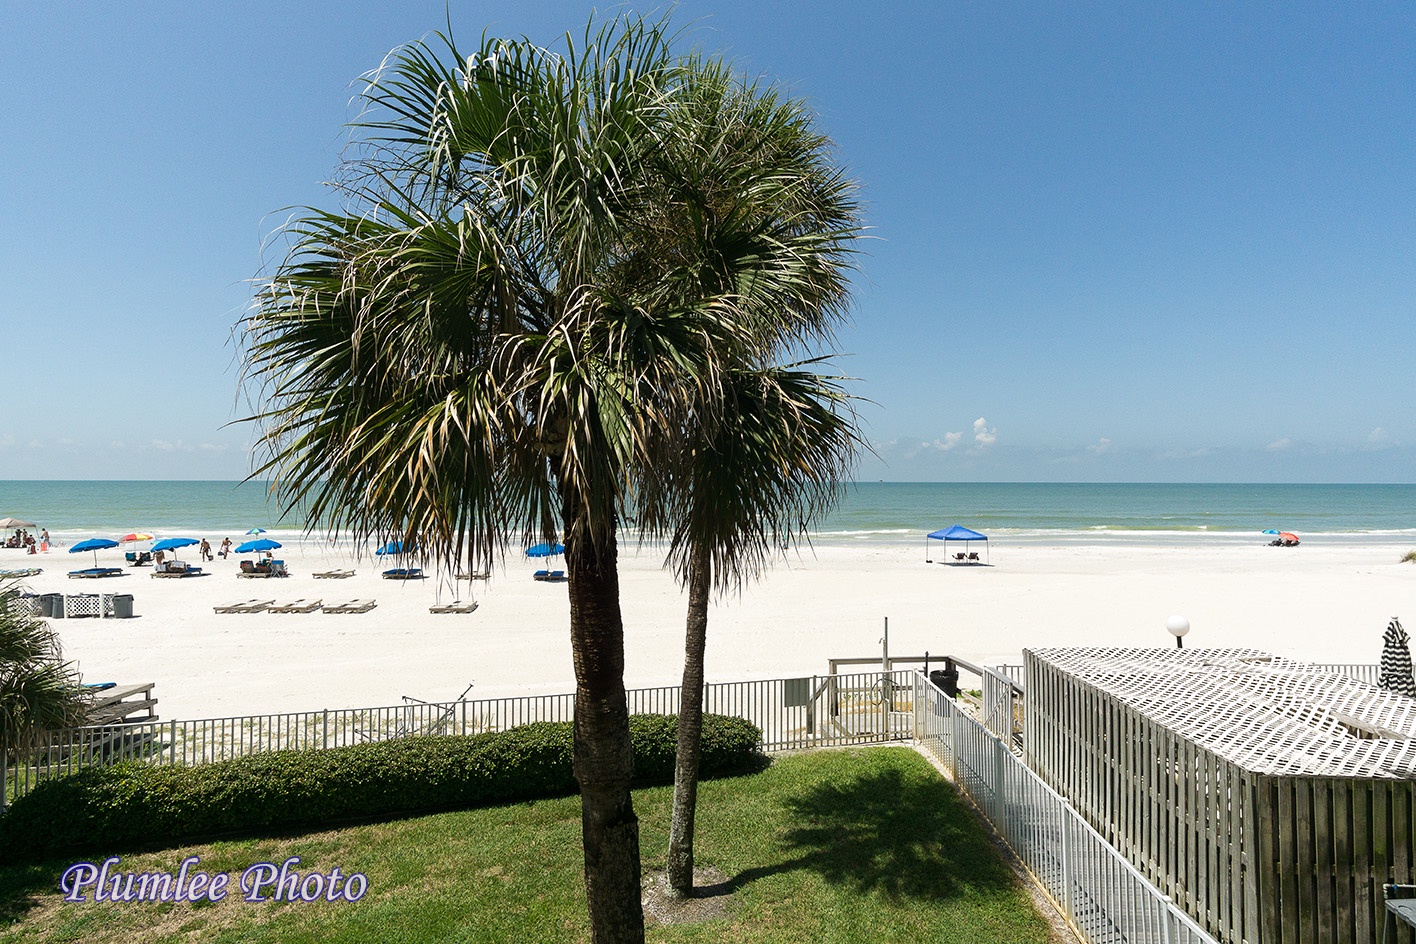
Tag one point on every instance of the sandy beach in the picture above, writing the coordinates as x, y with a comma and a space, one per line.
1325, 602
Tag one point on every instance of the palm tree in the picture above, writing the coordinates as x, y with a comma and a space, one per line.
487, 343
535, 289
767, 463
39, 691
755, 224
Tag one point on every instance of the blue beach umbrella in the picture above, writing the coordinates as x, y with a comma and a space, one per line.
1270, 531
171, 544
260, 544
392, 547
95, 545
545, 550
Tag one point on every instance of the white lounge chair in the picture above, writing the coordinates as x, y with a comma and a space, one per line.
351, 606
456, 606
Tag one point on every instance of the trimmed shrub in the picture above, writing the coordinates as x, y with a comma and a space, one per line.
135, 804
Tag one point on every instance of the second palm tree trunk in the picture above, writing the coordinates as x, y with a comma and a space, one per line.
690, 725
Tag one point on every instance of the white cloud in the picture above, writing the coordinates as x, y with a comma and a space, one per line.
949, 441
1280, 445
1380, 437
983, 434
212, 447
1100, 446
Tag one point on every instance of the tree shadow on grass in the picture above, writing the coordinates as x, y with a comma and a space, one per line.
20, 884
887, 834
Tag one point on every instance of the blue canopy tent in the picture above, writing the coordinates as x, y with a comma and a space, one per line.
955, 533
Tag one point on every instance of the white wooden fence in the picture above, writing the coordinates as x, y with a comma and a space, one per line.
1102, 895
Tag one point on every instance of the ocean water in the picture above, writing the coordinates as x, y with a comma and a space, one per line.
1124, 513
873, 512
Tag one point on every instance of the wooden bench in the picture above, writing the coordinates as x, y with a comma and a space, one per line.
113, 705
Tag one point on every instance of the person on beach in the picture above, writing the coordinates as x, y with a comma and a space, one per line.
225, 548
205, 550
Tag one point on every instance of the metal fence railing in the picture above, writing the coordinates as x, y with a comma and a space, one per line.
812, 711
1102, 895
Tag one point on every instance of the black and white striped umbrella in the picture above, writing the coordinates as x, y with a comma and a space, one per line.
1396, 661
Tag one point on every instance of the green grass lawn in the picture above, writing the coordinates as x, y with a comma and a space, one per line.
830, 846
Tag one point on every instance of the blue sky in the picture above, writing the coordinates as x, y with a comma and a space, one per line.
1110, 242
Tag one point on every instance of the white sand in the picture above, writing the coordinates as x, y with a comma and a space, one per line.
1322, 602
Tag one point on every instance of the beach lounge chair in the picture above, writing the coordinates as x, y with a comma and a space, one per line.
456, 606
973, 557
277, 568
333, 574
556, 576
22, 572
246, 606
299, 606
352, 606
403, 573
541, 575
961, 556
475, 575
97, 572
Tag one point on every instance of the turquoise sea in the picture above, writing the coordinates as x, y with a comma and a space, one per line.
874, 512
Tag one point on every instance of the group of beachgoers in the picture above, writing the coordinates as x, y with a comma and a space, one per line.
205, 552
22, 539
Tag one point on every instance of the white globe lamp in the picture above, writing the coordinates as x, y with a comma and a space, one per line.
1178, 626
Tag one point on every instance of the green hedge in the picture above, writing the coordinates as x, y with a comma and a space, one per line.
136, 804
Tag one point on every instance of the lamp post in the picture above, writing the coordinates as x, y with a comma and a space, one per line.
1178, 626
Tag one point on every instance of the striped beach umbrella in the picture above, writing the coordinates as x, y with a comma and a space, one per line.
1396, 661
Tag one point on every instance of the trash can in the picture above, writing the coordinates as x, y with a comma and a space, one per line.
51, 605
123, 605
947, 679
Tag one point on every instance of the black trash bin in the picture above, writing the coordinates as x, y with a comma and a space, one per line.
51, 605
123, 605
947, 679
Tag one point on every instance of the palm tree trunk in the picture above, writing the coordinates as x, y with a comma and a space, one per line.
604, 754
690, 725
